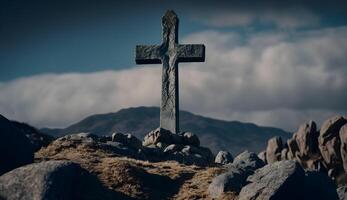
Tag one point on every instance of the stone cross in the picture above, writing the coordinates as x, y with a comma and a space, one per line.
169, 53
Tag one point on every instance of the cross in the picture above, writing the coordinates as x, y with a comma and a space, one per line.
169, 53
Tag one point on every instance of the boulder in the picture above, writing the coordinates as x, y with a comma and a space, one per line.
15, 148
127, 139
190, 138
161, 135
51, 180
343, 148
307, 139
342, 192
262, 156
233, 180
273, 150
293, 148
319, 186
329, 141
223, 157
248, 161
277, 181
284, 154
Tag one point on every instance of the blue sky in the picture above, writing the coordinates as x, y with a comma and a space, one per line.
268, 62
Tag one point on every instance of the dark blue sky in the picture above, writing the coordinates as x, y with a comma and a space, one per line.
39, 36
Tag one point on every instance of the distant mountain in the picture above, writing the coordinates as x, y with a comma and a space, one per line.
216, 134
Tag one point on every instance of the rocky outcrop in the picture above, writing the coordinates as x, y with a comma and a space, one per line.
329, 141
235, 178
223, 157
15, 148
277, 181
274, 149
127, 139
51, 180
342, 192
307, 139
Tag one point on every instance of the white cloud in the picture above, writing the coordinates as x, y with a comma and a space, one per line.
274, 79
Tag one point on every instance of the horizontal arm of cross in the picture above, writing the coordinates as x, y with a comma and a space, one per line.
191, 53
148, 54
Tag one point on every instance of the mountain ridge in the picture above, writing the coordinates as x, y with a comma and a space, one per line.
234, 136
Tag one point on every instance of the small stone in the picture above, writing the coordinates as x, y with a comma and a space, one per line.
248, 161
262, 156
190, 138
224, 157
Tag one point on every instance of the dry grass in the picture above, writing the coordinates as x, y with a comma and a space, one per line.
136, 179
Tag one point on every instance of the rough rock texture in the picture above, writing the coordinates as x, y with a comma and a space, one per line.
329, 141
274, 149
51, 180
231, 181
223, 157
162, 136
190, 138
235, 178
343, 149
342, 192
127, 139
248, 161
262, 156
307, 139
277, 181
15, 148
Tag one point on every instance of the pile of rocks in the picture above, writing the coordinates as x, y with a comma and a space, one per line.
322, 150
184, 147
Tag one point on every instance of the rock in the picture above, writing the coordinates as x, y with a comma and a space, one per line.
233, 180
277, 181
248, 161
173, 148
127, 139
273, 150
329, 141
161, 135
307, 139
342, 192
319, 186
15, 148
49, 180
343, 149
293, 148
86, 138
262, 156
284, 154
223, 157
190, 139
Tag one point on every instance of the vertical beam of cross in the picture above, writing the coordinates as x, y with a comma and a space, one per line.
169, 53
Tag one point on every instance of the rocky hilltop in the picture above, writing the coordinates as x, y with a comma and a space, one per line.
309, 165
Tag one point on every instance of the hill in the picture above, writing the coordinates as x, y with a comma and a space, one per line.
216, 134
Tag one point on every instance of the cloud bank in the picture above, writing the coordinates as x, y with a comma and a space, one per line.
270, 78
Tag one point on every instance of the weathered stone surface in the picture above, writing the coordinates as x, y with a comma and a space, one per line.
284, 154
273, 150
343, 149
49, 180
307, 139
127, 139
15, 148
233, 180
277, 181
342, 192
190, 138
169, 53
293, 148
262, 156
161, 135
329, 141
318, 186
248, 161
223, 157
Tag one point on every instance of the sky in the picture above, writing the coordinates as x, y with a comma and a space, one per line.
267, 62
